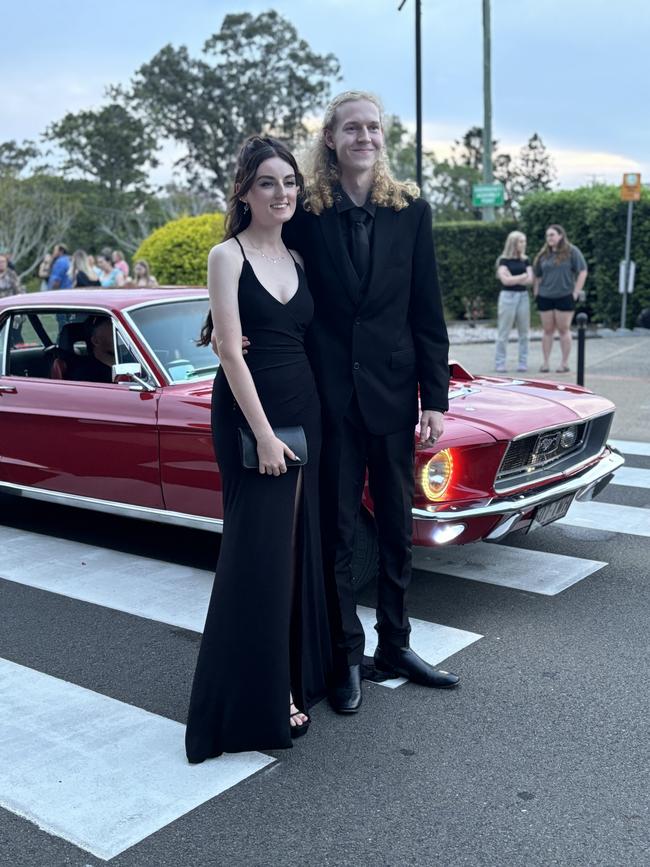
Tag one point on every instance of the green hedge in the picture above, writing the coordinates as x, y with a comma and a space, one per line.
467, 254
178, 251
594, 219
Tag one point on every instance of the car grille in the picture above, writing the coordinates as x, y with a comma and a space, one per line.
536, 456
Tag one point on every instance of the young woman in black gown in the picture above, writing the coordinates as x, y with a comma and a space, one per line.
265, 653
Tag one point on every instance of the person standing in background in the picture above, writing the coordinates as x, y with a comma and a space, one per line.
59, 277
109, 275
117, 257
515, 274
560, 273
44, 271
142, 276
83, 273
9, 281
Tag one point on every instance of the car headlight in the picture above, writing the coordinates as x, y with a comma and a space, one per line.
569, 437
436, 475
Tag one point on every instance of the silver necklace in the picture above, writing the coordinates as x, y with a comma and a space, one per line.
272, 259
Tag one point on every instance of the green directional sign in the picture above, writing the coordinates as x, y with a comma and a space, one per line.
487, 195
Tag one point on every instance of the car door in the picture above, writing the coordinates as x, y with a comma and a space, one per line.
94, 440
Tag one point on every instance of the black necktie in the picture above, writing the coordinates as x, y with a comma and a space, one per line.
360, 252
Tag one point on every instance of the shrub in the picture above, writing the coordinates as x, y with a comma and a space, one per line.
467, 254
178, 251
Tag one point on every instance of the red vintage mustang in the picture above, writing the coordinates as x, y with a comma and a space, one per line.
514, 455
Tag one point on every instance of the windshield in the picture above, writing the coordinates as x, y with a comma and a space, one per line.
171, 330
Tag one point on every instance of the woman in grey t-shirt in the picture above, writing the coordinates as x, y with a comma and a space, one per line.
560, 273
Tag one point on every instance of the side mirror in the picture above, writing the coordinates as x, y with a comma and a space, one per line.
126, 372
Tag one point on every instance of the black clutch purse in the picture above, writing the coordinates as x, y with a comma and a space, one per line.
294, 437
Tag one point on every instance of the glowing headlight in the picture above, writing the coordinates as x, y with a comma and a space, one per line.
569, 437
436, 475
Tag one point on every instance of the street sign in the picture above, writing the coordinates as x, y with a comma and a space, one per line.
487, 195
631, 187
631, 271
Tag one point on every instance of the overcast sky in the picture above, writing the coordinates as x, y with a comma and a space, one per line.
575, 71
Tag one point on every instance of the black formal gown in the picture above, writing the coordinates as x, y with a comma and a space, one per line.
267, 630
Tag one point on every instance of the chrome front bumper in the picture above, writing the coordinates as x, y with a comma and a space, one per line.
513, 508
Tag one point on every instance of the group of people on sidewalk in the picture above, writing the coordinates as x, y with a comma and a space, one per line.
59, 270
557, 276
109, 269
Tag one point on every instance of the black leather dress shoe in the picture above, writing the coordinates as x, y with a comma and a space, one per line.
404, 662
345, 696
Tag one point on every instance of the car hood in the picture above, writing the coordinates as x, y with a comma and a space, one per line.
509, 407
486, 408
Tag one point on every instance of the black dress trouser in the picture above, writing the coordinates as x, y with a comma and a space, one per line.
348, 449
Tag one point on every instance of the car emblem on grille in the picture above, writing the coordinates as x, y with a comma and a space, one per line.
546, 447
546, 444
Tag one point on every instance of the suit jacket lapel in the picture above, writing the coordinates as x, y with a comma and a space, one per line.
331, 228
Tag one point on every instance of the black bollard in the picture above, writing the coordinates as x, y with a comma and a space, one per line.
581, 321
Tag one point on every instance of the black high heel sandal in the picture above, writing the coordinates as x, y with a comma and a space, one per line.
298, 731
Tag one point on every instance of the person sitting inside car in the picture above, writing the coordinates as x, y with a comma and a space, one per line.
97, 365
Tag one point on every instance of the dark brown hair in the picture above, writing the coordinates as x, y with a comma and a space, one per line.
562, 251
255, 150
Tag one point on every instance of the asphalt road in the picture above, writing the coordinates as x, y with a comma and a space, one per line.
541, 757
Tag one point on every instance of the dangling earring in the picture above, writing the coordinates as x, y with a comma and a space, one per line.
245, 207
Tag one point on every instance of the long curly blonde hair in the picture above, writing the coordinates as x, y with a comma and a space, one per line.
323, 174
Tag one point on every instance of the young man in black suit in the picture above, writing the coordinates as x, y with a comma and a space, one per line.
378, 333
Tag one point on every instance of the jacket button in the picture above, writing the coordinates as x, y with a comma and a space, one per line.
357, 322
356, 365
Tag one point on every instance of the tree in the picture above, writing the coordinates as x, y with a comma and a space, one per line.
128, 228
468, 151
537, 170
35, 214
400, 148
110, 145
256, 76
15, 158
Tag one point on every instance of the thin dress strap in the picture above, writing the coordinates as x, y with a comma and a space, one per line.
292, 256
240, 247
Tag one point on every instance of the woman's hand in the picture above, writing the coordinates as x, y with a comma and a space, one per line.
272, 454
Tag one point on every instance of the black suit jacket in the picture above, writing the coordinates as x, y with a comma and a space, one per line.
383, 338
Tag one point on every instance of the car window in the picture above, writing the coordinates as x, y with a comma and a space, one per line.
171, 329
29, 346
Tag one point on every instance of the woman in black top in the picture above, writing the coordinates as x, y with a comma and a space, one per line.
266, 649
83, 274
515, 273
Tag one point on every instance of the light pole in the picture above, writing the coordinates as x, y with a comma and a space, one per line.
418, 90
488, 213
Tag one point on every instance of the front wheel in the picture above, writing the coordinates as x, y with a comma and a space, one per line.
365, 557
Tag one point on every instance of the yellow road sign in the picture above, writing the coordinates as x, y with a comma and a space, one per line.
631, 187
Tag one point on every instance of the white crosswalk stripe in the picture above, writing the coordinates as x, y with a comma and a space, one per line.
95, 771
632, 477
609, 518
155, 590
518, 568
